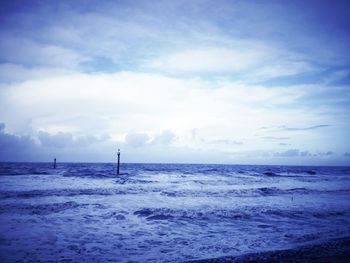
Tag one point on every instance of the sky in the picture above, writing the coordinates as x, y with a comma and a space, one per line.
233, 82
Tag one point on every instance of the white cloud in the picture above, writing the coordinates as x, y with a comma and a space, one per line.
209, 60
135, 139
140, 139
283, 68
164, 138
161, 111
249, 60
18, 73
119, 102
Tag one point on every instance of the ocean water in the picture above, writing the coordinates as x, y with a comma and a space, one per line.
84, 212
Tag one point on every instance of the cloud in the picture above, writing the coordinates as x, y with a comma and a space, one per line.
67, 140
8, 141
27, 52
254, 61
210, 60
16, 148
231, 37
164, 138
140, 139
285, 68
226, 142
58, 140
336, 76
200, 78
286, 128
275, 138
325, 153
136, 139
63, 146
304, 153
299, 153
347, 154
138, 101
10, 72
201, 114
288, 153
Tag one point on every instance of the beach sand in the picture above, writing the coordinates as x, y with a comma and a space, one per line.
334, 250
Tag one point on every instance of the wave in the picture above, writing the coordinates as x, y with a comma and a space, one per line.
143, 189
67, 192
44, 209
252, 192
108, 170
246, 213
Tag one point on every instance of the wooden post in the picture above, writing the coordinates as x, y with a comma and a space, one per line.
54, 163
118, 161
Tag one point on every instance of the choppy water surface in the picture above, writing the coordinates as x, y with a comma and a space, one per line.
166, 213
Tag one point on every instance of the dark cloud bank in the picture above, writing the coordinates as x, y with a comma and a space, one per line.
47, 146
16, 148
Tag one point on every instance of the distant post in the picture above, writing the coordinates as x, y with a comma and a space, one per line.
54, 163
118, 161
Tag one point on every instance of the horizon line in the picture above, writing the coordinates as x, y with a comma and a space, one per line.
160, 163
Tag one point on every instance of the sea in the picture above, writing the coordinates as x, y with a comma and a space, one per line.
85, 212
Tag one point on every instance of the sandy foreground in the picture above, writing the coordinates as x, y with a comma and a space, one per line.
334, 250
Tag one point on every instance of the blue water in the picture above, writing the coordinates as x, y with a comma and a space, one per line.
84, 212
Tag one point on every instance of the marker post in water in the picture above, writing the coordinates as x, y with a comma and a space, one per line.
54, 163
118, 161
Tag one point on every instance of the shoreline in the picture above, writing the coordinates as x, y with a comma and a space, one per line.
332, 250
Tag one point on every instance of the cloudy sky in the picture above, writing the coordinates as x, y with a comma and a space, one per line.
241, 82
